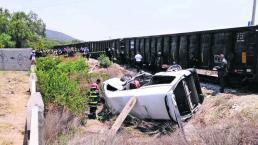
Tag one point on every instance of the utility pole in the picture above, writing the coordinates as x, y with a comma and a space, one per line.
253, 15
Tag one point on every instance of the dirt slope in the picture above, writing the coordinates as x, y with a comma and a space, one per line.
13, 100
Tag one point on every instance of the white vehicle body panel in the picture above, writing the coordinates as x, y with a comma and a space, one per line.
153, 101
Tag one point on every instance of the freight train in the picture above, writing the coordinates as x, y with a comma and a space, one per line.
200, 50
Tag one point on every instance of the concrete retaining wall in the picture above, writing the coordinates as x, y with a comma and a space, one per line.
15, 59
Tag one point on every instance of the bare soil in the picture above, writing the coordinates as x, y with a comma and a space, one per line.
13, 100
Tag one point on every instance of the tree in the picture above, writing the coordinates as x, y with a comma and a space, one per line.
4, 20
38, 44
36, 24
26, 29
6, 41
19, 29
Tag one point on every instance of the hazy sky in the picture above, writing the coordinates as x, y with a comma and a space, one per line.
104, 19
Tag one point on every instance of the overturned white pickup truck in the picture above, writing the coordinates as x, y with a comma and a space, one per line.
162, 96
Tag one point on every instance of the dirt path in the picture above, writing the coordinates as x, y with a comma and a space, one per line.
13, 100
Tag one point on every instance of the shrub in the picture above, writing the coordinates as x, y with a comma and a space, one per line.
46, 64
56, 86
73, 66
104, 61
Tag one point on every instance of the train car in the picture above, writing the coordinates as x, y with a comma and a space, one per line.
166, 50
141, 49
205, 51
137, 45
194, 49
132, 49
147, 50
174, 45
120, 48
127, 49
183, 51
153, 48
237, 44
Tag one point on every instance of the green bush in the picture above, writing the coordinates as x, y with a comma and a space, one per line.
104, 61
56, 85
73, 66
46, 64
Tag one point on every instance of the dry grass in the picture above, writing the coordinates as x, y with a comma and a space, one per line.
58, 122
124, 139
225, 119
99, 139
229, 134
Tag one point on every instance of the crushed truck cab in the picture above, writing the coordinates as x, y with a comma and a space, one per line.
160, 97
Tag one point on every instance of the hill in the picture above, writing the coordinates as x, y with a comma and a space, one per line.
55, 35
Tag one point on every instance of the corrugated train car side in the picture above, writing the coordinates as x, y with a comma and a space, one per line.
195, 49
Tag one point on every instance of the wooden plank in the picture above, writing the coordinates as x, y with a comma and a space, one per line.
120, 119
